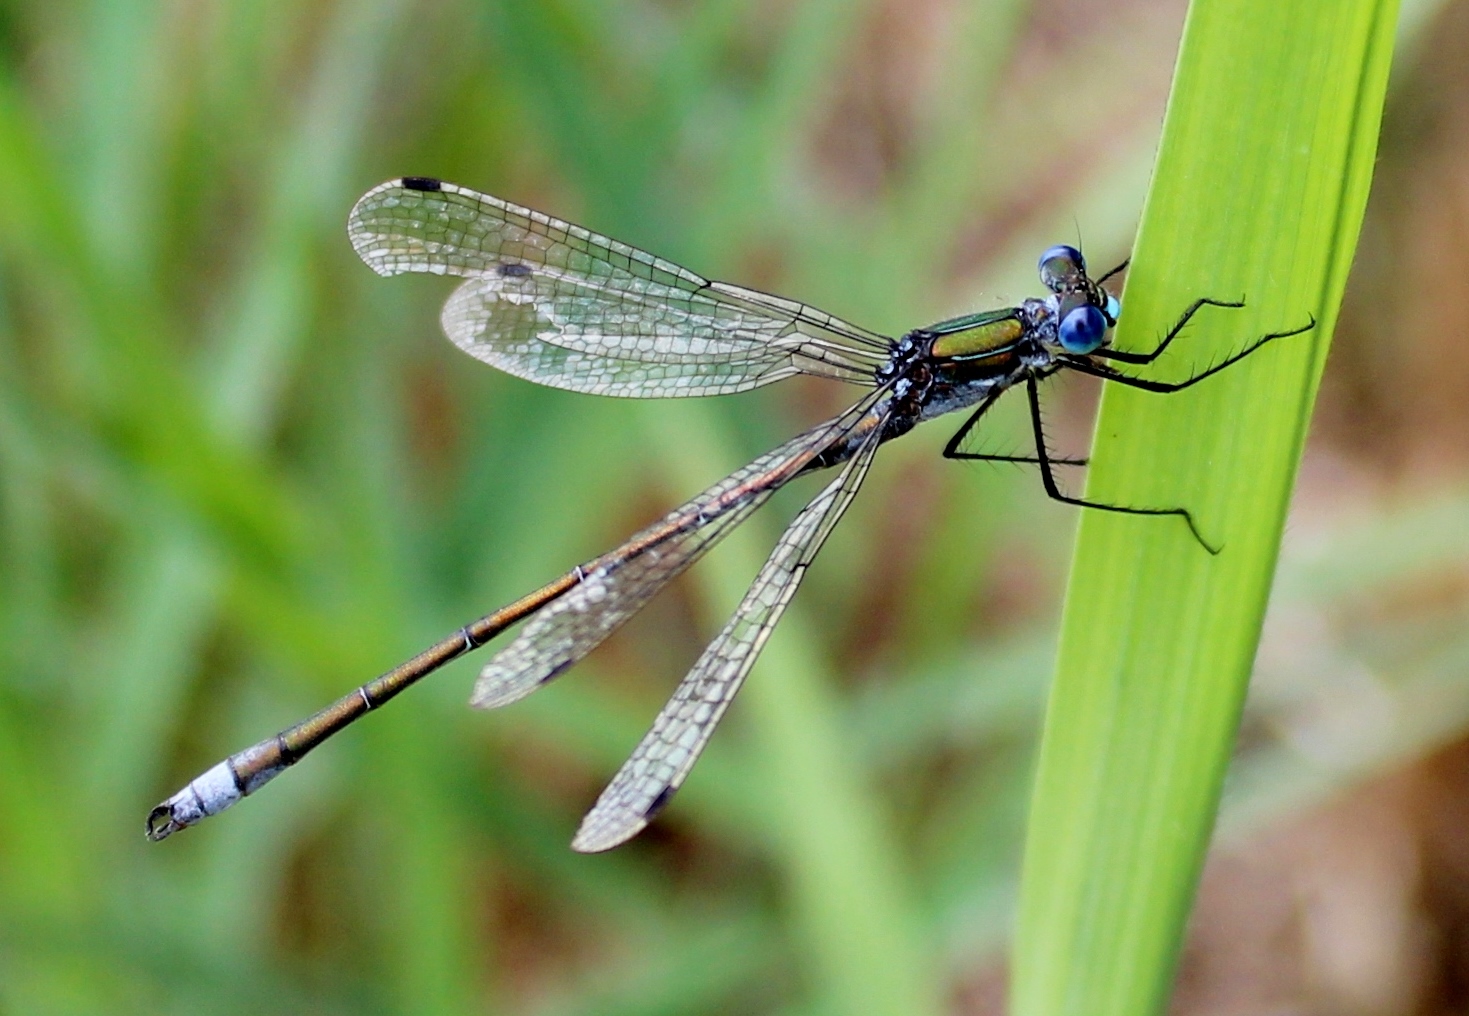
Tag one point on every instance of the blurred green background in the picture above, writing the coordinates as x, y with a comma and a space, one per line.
239, 475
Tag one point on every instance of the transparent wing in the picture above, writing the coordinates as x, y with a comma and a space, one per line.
663, 759
616, 585
552, 302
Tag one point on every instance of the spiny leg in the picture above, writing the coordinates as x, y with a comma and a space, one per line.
1054, 491
1122, 356
951, 450
1087, 366
1024, 460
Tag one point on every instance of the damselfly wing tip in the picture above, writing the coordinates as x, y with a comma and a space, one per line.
380, 233
499, 685
596, 837
491, 691
612, 821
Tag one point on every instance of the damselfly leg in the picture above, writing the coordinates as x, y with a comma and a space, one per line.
953, 451
1123, 356
1088, 366
1047, 462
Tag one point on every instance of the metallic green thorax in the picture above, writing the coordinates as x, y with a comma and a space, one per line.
976, 335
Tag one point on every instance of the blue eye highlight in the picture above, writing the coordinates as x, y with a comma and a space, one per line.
1082, 329
1063, 251
1062, 267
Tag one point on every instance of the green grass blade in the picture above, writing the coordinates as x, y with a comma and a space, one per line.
1259, 189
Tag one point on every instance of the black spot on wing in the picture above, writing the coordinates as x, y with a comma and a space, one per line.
514, 270
664, 796
556, 672
423, 183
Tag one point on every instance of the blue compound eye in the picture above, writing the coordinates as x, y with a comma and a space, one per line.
1082, 329
1062, 268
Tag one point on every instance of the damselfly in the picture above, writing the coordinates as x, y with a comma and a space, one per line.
555, 303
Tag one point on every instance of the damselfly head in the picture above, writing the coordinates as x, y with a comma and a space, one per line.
1063, 269
1084, 311
1081, 327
